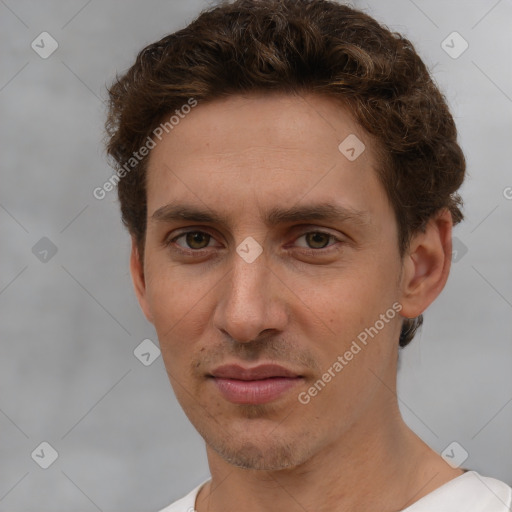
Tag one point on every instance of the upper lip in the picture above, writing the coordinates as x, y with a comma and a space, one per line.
264, 371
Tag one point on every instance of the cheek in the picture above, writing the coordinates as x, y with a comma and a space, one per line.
170, 294
165, 299
350, 298
180, 310
349, 309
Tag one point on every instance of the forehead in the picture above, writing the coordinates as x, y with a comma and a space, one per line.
309, 123
272, 148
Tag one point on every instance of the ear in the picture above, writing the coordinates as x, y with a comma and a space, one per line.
426, 265
139, 282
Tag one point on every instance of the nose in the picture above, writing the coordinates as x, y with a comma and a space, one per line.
250, 300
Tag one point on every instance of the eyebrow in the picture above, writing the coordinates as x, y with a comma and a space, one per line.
275, 216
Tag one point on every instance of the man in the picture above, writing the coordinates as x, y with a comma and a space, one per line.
288, 174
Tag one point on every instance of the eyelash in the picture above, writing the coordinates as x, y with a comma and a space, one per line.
200, 252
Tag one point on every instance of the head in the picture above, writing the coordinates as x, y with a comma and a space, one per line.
256, 111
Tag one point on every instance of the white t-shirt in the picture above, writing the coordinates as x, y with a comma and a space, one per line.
469, 492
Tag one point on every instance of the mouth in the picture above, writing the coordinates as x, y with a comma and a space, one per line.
258, 385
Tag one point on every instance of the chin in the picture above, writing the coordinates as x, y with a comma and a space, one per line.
254, 456
260, 449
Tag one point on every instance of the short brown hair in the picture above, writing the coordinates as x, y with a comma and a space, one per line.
292, 46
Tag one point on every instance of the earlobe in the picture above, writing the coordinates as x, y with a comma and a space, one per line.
426, 265
139, 281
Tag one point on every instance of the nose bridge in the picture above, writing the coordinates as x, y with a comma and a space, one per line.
244, 309
248, 279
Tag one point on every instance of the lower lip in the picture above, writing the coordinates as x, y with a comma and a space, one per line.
255, 391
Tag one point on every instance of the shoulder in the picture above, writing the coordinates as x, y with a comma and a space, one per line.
470, 492
187, 503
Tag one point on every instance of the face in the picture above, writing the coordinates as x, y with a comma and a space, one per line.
246, 287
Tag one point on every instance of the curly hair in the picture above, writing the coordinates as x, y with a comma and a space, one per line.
315, 46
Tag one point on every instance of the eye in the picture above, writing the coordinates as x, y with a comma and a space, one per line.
317, 240
196, 240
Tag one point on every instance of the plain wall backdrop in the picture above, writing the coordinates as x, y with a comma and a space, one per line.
70, 322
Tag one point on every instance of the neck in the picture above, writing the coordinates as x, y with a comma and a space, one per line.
378, 463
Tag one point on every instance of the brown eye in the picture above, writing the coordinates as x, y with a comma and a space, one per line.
317, 239
196, 239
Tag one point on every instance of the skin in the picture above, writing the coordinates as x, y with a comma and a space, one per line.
348, 449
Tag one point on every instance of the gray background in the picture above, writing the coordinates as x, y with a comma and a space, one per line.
68, 374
